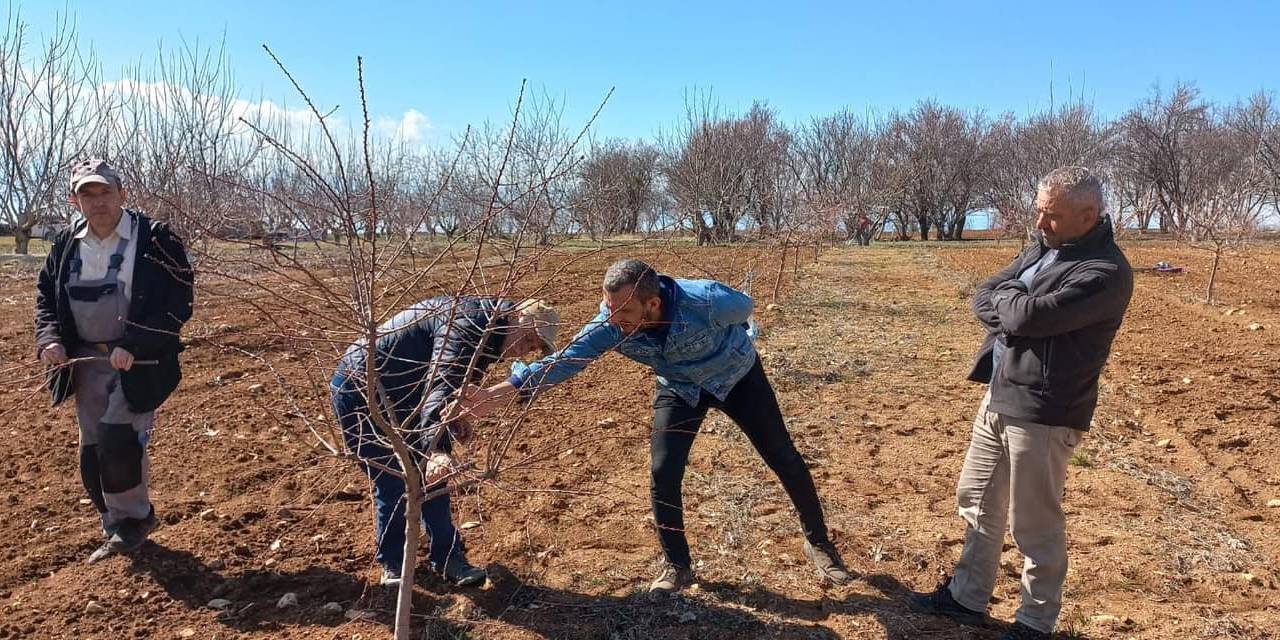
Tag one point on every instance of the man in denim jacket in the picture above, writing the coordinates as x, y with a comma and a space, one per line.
695, 336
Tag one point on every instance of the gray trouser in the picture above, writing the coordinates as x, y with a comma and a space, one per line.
100, 401
1016, 470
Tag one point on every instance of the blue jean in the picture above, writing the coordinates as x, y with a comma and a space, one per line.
388, 489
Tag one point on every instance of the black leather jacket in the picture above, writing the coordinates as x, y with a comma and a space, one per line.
425, 354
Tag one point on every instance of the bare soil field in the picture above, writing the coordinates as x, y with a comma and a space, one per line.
1171, 535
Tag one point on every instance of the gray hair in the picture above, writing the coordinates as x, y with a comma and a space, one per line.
1076, 182
632, 273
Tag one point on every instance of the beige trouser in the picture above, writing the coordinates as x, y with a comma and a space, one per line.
1015, 470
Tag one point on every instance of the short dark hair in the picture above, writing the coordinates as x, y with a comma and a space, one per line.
632, 273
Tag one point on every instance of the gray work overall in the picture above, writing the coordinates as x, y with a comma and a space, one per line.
113, 459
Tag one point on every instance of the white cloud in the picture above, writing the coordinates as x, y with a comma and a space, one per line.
287, 124
410, 129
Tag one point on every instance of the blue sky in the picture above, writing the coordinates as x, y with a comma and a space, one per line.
462, 62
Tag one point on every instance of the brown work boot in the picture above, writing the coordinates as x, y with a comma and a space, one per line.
826, 560
672, 579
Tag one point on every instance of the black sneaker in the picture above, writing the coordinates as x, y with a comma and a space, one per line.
940, 603
460, 573
126, 537
132, 533
1021, 631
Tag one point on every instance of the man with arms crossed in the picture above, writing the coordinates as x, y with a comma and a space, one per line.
1050, 317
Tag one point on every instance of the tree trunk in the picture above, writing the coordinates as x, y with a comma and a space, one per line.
1144, 221
21, 240
1213, 273
412, 525
777, 281
924, 227
700, 228
957, 230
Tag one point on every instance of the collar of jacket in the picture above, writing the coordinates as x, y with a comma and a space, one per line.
1101, 235
141, 237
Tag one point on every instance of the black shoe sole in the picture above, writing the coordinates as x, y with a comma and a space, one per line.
918, 605
469, 582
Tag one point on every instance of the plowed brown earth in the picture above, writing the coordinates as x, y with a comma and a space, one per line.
868, 352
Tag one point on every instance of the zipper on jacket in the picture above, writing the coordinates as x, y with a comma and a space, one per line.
1048, 360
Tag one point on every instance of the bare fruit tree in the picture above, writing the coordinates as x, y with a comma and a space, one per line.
617, 189
832, 158
331, 288
1157, 150
721, 170
1237, 187
51, 114
1024, 151
1258, 119
181, 142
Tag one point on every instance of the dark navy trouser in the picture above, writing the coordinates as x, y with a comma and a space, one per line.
352, 409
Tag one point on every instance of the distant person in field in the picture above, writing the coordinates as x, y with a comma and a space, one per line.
1050, 318
864, 230
695, 336
423, 357
112, 298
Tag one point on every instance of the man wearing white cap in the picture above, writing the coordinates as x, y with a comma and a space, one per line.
423, 357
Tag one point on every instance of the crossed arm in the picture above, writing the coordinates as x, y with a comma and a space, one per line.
1088, 296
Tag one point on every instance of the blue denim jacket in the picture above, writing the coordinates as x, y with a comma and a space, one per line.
708, 346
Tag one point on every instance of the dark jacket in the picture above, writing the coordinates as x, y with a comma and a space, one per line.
1058, 331
427, 350
159, 304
